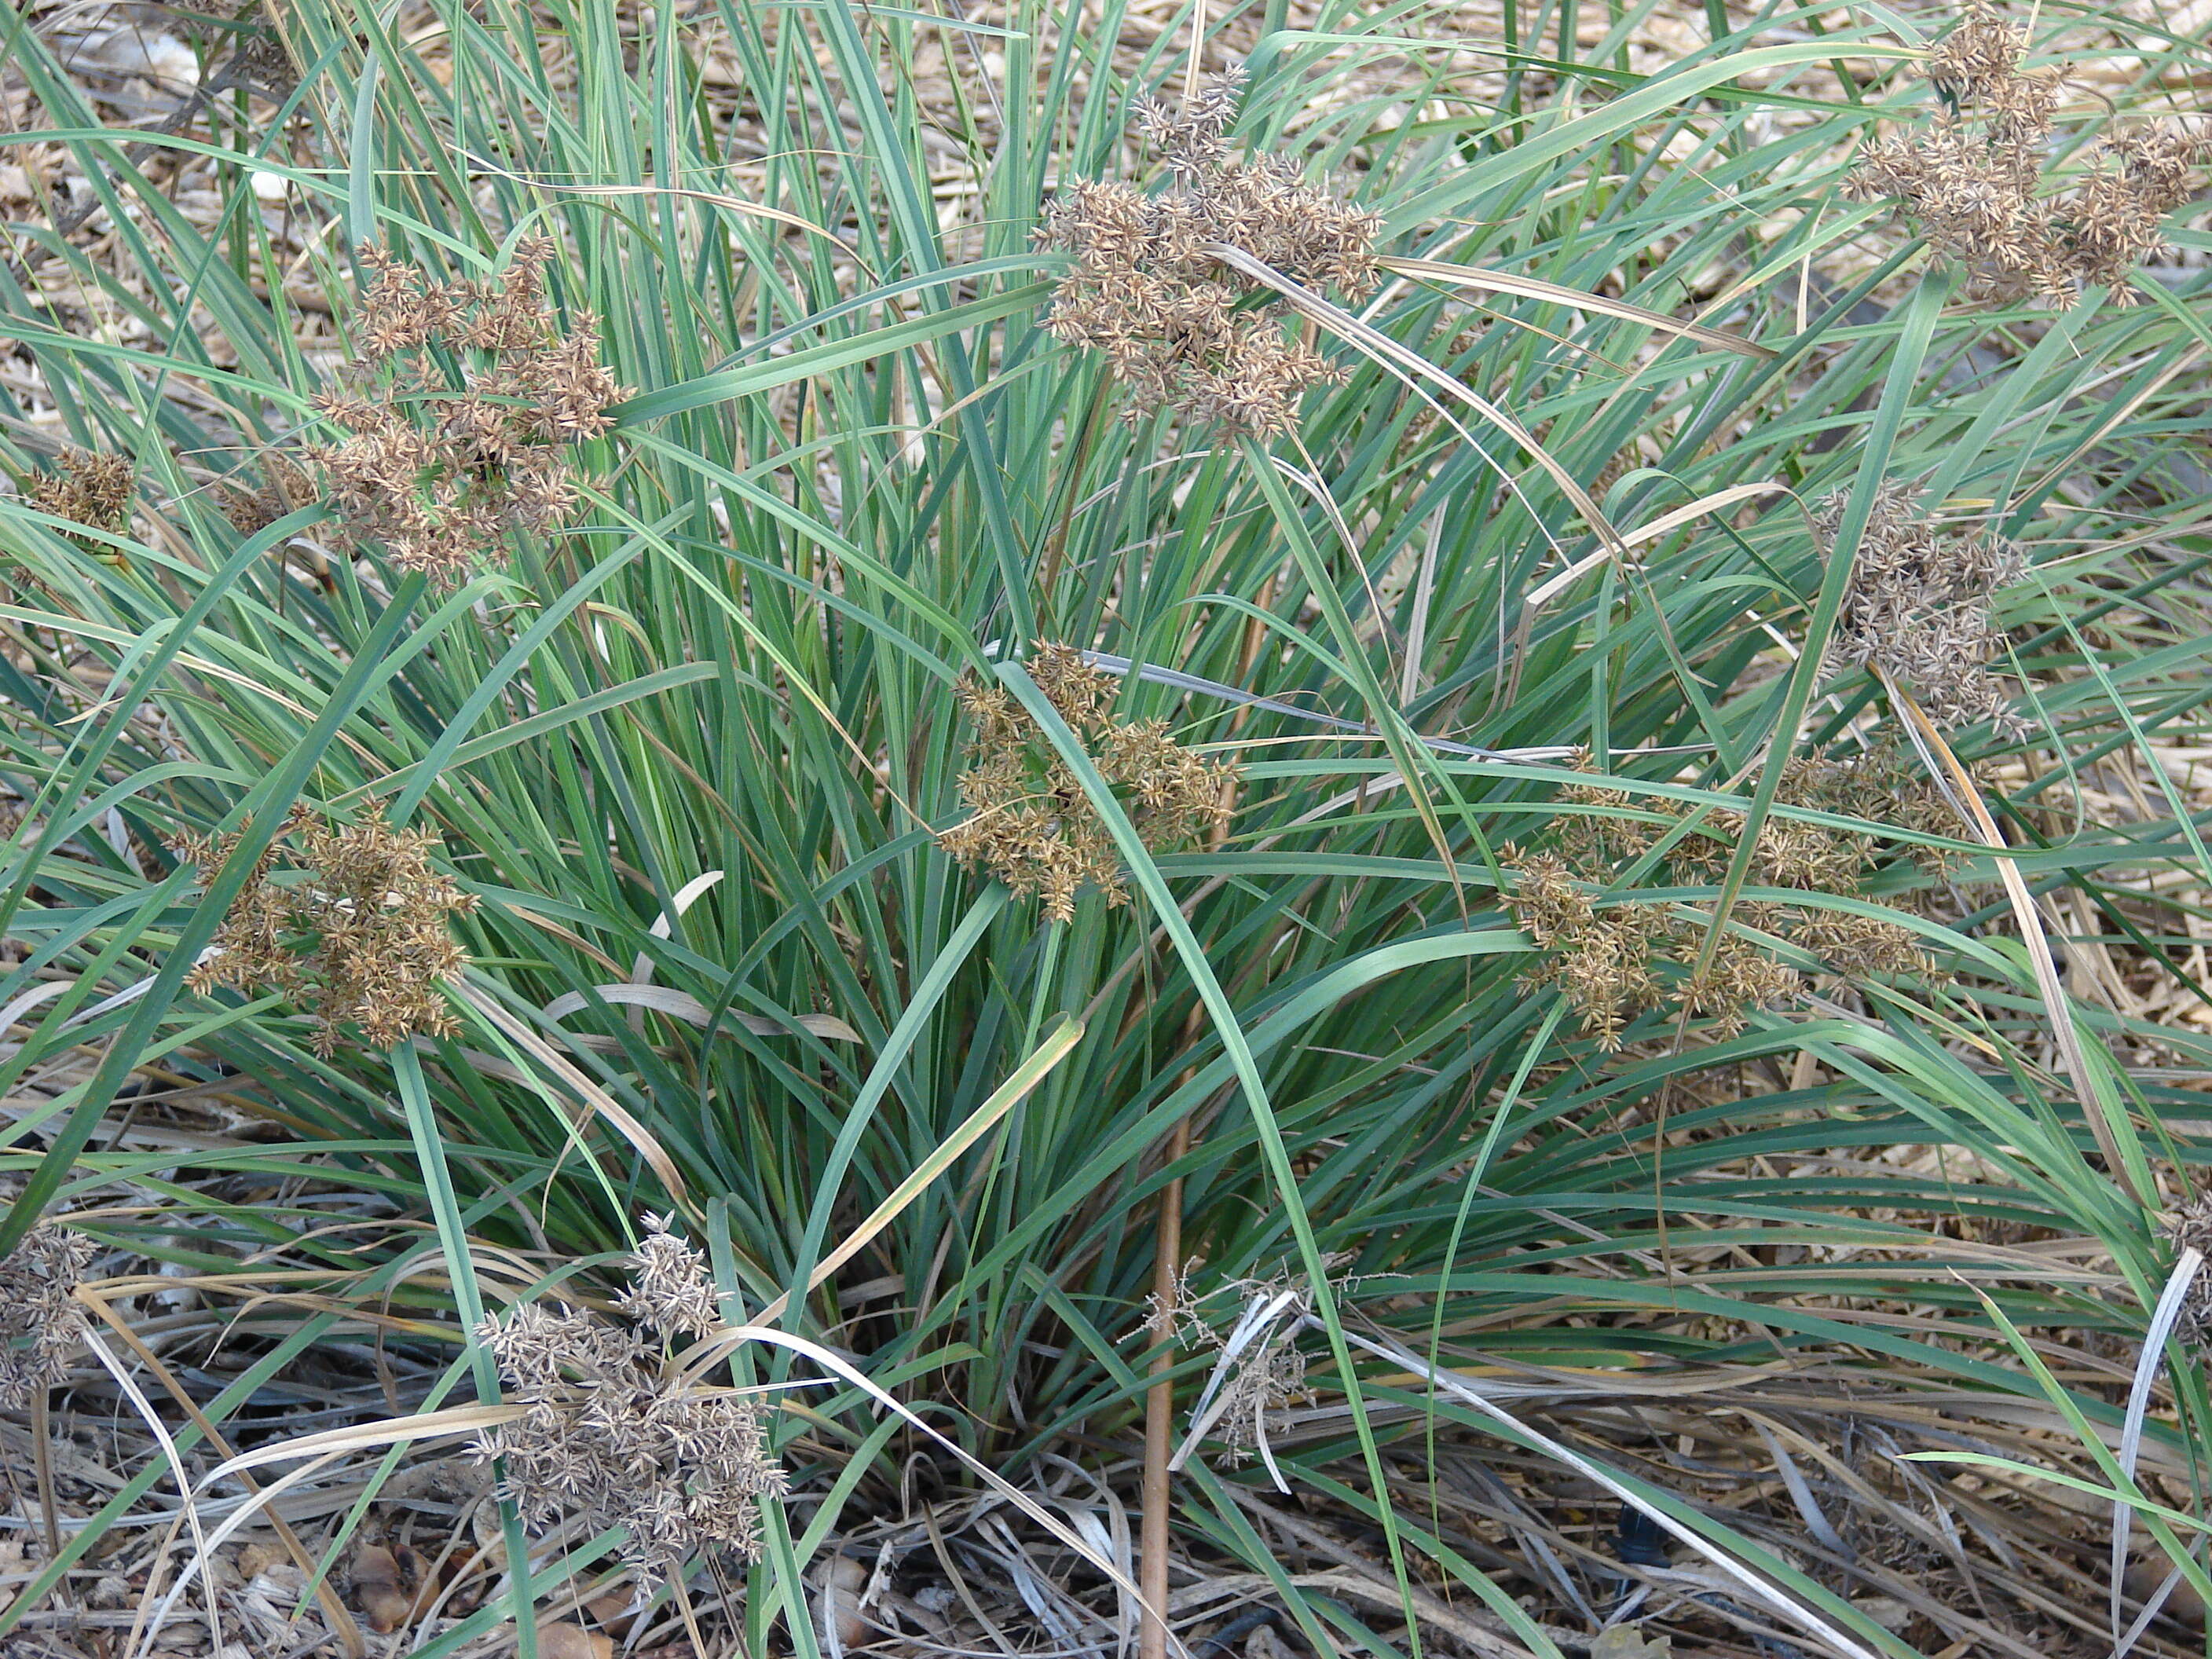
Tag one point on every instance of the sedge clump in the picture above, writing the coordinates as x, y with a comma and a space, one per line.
355, 927
1973, 175
461, 411
1148, 290
1033, 827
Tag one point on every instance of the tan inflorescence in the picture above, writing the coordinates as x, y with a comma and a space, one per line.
40, 1321
90, 489
615, 1428
1267, 1372
1183, 330
1605, 957
466, 401
1918, 607
1972, 176
286, 489
2187, 1225
1033, 827
359, 931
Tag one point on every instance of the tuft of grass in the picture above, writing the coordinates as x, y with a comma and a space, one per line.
698, 748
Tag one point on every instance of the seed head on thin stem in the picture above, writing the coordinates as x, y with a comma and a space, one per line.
616, 1430
40, 1320
1032, 826
462, 406
1181, 328
359, 929
1973, 175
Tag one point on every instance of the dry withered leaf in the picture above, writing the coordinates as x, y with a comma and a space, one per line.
566, 1641
390, 1587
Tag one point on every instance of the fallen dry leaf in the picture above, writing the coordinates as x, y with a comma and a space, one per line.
390, 1587
565, 1641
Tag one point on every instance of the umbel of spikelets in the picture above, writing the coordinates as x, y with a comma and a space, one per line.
460, 410
1972, 176
1179, 327
615, 1429
1032, 826
357, 927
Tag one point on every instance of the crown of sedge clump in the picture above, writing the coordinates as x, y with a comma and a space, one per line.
615, 1430
1178, 326
86, 487
1033, 827
358, 932
1919, 606
1603, 958
41, 1322
464, 400
1972, 176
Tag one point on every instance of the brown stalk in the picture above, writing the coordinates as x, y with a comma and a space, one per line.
1167, 1260
2032, 936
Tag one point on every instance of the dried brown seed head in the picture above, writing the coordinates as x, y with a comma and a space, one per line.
40, 1320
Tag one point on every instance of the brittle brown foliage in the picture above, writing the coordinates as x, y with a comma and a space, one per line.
358, 931
616, 1429
1605, 957
1919, 606
40, 1320
1033, 828
464, 402
1181, 328
1973, 175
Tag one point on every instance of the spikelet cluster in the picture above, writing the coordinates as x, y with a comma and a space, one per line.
1919, 606
1972, 176
1182, 329
616, 1430
1032, 826
2189, 1226
466, 401
90, 489
1606, 958
286, 488
356, 929
1266, 1372
259, 57
40, 1320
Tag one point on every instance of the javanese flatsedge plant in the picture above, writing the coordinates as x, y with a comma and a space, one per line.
767, 748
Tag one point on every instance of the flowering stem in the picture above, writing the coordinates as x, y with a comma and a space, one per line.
468, 1302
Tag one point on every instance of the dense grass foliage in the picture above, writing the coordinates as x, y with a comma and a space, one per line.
688, 755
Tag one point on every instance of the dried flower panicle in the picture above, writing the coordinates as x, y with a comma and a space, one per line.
1604, 957
89, 488
617, 1430
1600, 960
1918, 607
359, 931
40, 1321
1259, 1370
287, 489
1973, 175
2187, 1225
1181, 327
1033, 827
465, 400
